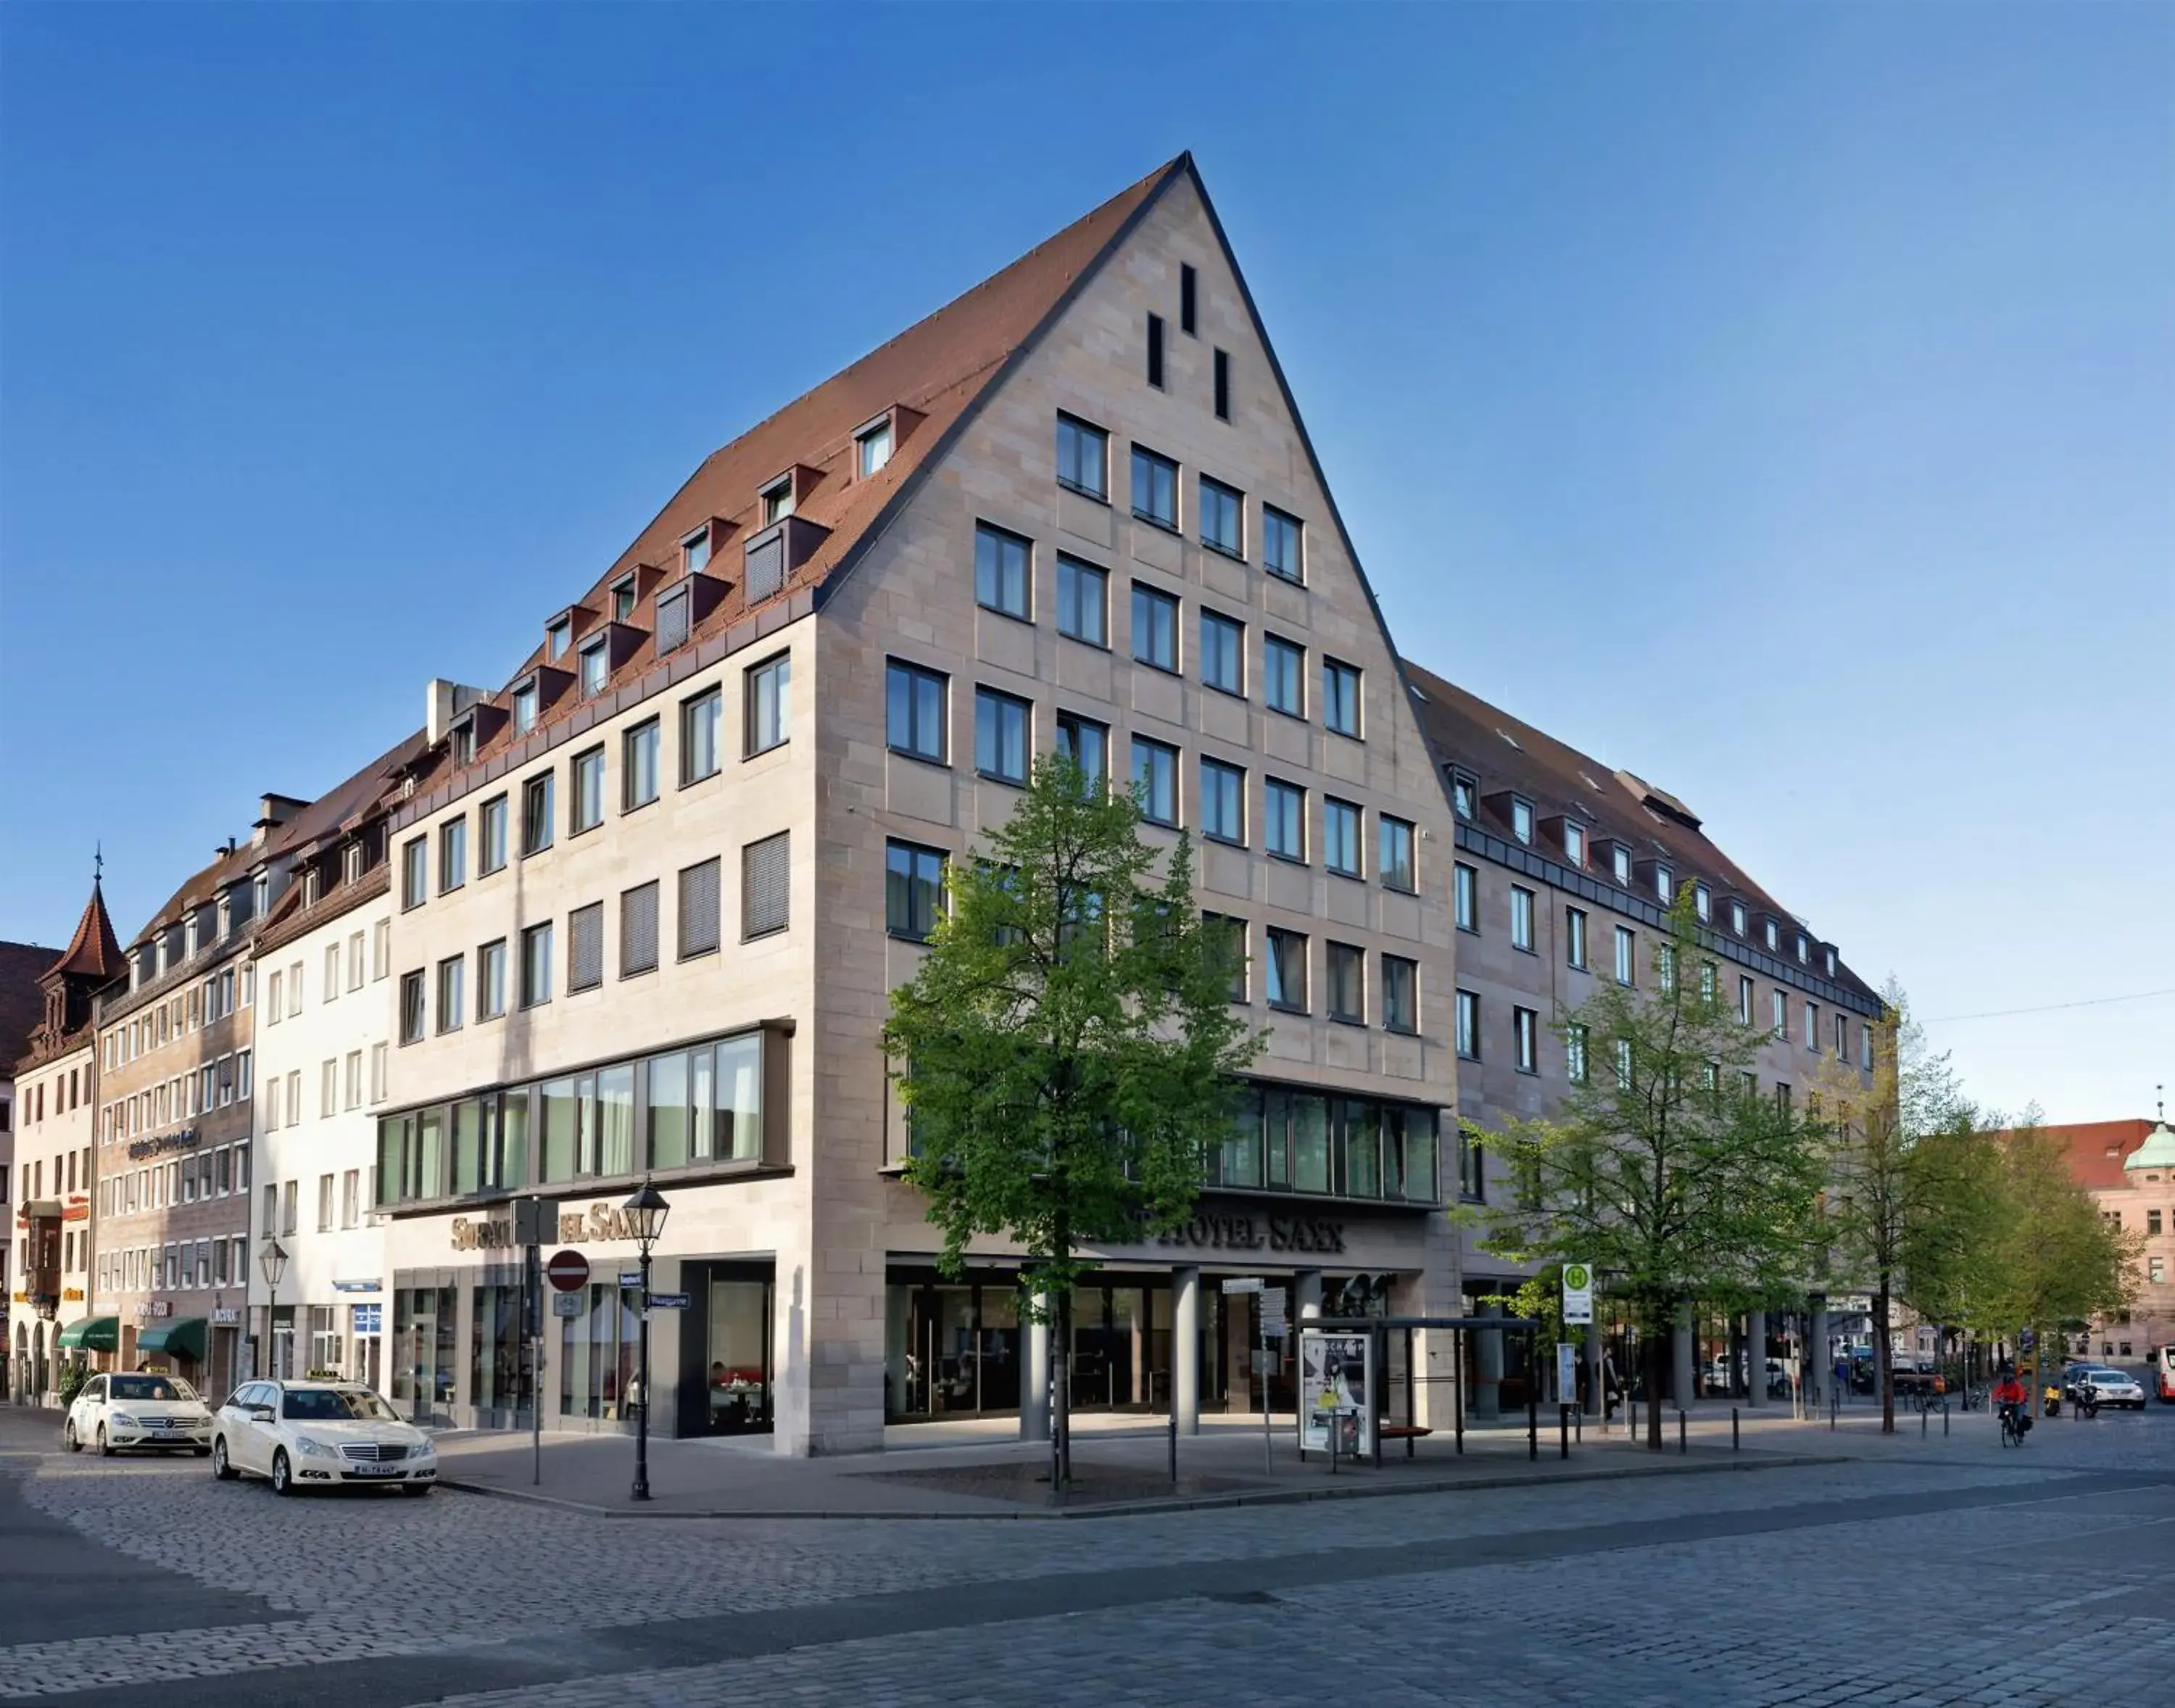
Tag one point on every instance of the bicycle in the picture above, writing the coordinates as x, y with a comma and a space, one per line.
2012, 1426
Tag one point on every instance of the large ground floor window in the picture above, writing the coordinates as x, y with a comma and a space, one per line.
598, 1347
425, 1337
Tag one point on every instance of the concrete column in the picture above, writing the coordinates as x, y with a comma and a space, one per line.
1592, 1354
1755, 1358
1818, 1360
1185, 1348
1309, 1288
1487, 1368
1034, 1390
1682, 1385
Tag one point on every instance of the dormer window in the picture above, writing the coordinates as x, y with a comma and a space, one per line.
1463, 792
872, 449
1737, 918
778, 500
1662, 886
351, 862
694, 552
1575, 843
1804, 948
1521, 820
1774, 936
461, 741
1702, 903
1620, 864
623, 590
672, 620
1831, 962
524, 708
557, 638
596, 666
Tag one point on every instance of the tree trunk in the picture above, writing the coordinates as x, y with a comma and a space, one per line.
1884, 1358
1061, 1364
1657, 1350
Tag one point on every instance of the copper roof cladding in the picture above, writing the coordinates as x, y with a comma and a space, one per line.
937, 368
22, 1002
1469, 734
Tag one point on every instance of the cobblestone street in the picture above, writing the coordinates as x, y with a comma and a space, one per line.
1896, 1572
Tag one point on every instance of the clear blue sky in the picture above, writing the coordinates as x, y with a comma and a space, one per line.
1779, 401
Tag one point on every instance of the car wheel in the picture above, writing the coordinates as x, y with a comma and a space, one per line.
283, 1481
68, 1435
105, 1446
415, 1488
222, 1467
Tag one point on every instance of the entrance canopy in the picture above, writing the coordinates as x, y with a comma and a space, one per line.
92, 1334
184, 1335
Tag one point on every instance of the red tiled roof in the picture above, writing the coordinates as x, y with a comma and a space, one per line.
22, 1003
937, 368
2097, 1150
93, 952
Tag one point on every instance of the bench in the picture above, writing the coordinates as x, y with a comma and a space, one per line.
1402, 1432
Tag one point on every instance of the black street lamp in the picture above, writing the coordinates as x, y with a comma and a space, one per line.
271, 1259
646, 1212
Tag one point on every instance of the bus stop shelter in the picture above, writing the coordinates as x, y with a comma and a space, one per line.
1384, 1331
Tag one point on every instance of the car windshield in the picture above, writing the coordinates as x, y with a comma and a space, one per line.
151, 1388
336, 1406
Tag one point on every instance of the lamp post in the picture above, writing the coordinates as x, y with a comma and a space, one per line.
646, 1212
271, 1259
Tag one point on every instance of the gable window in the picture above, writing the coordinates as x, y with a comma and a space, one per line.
1626, 943
1083, 602
1400, 982
1001, 571
1187, 287
596, 667
536, 805
1340, 836
1340, 697
536, 965
1155, 780
639, 766
1521, 918
1283, 544
769, 709
623, 590
1286, 970
586, 809
524, 708
1223, 802
1155, 628
1393, 856
1087, 743
1155, 488
557, 638
1083, 457
1222, 654
1155, 351
1468, 1025
1574, 844
1223, 519
1465, 892
453, 859
1619, 862
872, 449
778, 500
413, 858
913, 710
913, 890
1464, 792
1283, 810
1283, 676
1575, 938
1348, 984
1222, 385
1000, 735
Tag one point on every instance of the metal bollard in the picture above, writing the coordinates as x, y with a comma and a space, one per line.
1684, 1444
1921, 1423
1734, 1443
1174, 1446
1563, 1428
1944, 1418
1834, 1407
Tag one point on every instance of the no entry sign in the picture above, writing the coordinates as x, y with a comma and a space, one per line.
567, 1269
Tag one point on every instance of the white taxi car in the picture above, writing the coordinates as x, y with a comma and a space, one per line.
138, 1410
320, 1434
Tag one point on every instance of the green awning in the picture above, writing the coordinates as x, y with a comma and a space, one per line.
93, 1334
183, 1335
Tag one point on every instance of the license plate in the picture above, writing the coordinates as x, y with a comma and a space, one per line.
374, 1469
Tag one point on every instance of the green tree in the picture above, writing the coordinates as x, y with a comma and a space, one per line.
1066, 1050
1663, 1170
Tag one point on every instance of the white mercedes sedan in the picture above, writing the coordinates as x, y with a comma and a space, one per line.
137, 1410
320, 1434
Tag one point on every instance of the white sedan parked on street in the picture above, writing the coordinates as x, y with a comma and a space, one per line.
301, 1435
138, 1410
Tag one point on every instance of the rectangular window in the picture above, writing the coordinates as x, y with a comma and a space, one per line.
778, 500
1223, 519
1222, 654
1155, 627
637, 760
1348, 984
701, 719
1525, 1031
765, 886
672, 615
1083, 602
1234, 933
490, 985
596, 668
1626, 942
1186, 293
491, 836
1737, 918
1465, 891
524, 708
1702, 903
1223, 802
1575, 1039
1778, 1013
1155, 351
353, 1082
585, 948
452, 1004
1663, 892
453, 858
1521, 918
1813, 1027
1340, 697
1341, 830
1283, 676
272, 1009
769, 708
1000, 735
637, 929
414, 856
1155, 780
536, 965
1283, 544
874, 450
1393, 842
623, 590
536, 814
1865, 1046
1401, 984
1574, 937
1468, 1025
1842, 1038
1087, 743
411, 1010
1574, 844
1286, 970
1155, 488
1283, 810
699, 891
1522, 822
913, 710
380, 1059
1744, 1001
586, 810
913, 889
1000, 570
1620, 864
1083, 457
1462, 791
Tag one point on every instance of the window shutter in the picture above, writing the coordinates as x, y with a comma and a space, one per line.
585, 948
765, 879
637, 929
672, 621
698, 909
765, 568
